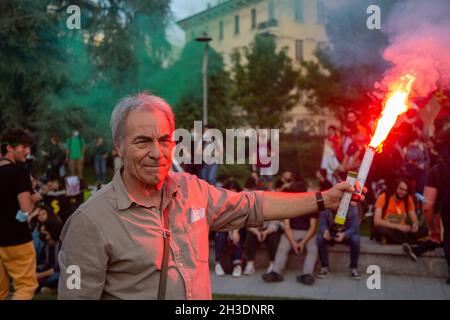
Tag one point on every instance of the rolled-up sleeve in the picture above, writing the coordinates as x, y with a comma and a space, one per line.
228, 210
83, 246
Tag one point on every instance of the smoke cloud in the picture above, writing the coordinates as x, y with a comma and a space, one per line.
419, 42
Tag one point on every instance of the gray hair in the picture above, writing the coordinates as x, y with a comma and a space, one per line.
127, 104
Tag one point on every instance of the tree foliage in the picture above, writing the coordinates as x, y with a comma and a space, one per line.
264, 83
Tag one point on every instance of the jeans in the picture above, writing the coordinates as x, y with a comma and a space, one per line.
100, 168
49, 282
209, 172
39, 246
220, 243
353, 242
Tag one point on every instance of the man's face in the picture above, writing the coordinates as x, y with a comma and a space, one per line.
20, 152
402, 190
148, 145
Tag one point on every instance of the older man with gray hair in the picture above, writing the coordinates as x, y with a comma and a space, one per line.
145, 234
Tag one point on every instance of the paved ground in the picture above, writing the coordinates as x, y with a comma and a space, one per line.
335, 286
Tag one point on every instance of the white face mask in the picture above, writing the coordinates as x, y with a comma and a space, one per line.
76, 133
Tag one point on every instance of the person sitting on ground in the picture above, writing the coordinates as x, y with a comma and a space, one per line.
222, 239
391, 212
36, 219
48, 268
299, 235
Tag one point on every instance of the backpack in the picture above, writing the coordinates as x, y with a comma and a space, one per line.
388, 195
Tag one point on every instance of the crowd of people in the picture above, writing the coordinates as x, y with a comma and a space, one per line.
30, 243
406, 204
407, 200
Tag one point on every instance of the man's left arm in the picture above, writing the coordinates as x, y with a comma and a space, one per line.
227, 210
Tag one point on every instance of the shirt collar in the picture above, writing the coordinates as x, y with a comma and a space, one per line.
123, 199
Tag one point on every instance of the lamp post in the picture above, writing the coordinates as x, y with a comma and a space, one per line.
206, 40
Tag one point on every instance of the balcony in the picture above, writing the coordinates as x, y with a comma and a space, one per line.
268, 25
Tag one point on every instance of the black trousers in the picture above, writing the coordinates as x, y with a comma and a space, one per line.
251, 244
394, 236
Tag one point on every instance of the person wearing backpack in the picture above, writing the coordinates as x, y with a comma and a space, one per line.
437, 195
391, 213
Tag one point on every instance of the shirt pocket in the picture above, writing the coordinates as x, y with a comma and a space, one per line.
198, 238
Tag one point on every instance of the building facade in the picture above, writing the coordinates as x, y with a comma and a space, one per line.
295, 24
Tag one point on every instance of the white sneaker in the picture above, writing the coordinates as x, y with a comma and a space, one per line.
237, 271
249, 269
219, 270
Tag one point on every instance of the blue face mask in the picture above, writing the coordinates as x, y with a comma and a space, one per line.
21, 216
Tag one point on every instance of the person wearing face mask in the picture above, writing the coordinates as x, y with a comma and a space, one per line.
48, 267
75, 154
17, 254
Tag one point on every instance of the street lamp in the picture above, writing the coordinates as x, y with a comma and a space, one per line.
206, 40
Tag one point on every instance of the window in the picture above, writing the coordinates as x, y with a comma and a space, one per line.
220, 30
299, 50
299, 10
271, 10
236, 24
320, 12
253, 18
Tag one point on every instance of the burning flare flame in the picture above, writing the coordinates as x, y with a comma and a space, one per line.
395, 104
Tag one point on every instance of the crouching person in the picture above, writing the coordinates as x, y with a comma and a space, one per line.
329, 236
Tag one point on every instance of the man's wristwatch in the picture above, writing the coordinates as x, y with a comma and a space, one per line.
320, 202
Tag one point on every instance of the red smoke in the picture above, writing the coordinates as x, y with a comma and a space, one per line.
419, 43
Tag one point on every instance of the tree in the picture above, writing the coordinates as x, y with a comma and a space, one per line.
264, 84
182, 84
345, 72
47, 70
29, 58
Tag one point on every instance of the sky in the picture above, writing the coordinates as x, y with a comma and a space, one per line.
180, 10
184, 8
